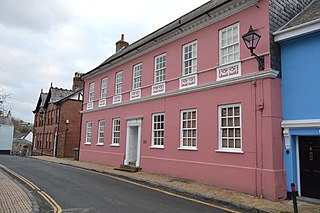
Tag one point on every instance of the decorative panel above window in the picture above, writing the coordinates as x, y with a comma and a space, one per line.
229, 71
188, 81
102, 102
158, 89
135, 94
117, 99
90, 105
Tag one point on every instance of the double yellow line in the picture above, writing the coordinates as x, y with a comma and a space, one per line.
157, 189
54, 204
57, 208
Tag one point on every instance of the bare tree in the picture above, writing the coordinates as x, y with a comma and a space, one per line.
5, 107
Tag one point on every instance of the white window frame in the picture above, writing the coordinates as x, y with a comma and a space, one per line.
137, 75
156, 130
182, 129
118, 83
88, 132
224, 135
234, 55
101, 127
160, 63
116, 132
91, 92
104, 85
189, 56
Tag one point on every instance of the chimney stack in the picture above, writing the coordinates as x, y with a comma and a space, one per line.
77, 82
121, 44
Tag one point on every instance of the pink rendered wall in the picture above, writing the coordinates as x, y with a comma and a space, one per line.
258, 171
208, 55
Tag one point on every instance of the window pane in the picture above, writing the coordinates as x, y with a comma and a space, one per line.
229, 44
230, 131
224, 143
238, 143
188, 128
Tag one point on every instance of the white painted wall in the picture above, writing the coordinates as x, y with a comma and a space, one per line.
6, 137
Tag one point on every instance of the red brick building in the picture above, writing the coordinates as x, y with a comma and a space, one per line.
57, 120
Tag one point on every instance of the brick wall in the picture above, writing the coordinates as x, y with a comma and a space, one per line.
44, 131
69, 134
280, 13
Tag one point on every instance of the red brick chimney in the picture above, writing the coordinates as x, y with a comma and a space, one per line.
77, 82
121, 44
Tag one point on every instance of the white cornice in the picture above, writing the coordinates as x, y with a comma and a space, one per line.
203, 21
299, 30
309, 123
215, 84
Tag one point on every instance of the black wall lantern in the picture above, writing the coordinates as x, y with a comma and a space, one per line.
251, 39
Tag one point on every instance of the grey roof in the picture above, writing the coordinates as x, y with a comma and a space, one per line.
70, 95
202, 10
43, 97
20, 135
310, 13
5, 120
57, 94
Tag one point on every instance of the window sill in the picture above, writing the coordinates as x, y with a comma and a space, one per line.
100, 144
230, 151
188, 148
87, 143
114, 145
229, 63
156, 147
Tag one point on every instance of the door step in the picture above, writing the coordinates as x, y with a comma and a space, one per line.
128, 168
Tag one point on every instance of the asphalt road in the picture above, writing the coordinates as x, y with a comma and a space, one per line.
82, 191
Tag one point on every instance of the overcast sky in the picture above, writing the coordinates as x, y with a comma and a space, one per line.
44, 41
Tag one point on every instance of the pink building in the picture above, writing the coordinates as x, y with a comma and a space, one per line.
188, 101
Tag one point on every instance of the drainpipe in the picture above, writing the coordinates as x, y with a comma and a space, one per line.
261, 107
254, 83
65, 138
44, 129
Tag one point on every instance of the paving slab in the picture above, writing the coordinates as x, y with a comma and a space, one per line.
13, 199
200, 190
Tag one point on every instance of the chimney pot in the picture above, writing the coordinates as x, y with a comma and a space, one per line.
121, 44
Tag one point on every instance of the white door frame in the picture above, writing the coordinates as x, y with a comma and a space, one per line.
133, 122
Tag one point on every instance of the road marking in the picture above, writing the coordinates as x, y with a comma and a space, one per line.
155, 189
52, 202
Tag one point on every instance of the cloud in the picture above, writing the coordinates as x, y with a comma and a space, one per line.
34, 15
48, 41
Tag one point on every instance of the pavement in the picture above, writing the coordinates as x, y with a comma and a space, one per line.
13, 197
244, 202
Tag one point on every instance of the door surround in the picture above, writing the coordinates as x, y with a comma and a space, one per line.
132, 123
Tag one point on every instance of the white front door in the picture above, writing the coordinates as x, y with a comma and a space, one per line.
133, 142
133, 145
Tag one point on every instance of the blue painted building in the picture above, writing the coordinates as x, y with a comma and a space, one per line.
6, 134
300, 58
